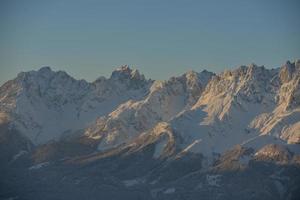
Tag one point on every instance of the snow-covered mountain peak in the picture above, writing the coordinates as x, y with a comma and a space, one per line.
244, 103
189, 80
246, 73
129, 77
47, 104
165, 100
122, 72
289, 93
246, 83
48, 82
43, 73
289, 70
201, 78
125, 72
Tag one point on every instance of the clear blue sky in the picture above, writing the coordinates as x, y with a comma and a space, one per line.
161, 38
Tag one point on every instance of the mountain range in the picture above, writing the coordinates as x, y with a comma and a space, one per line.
201, 135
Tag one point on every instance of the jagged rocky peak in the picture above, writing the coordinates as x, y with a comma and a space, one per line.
45, 76
235, 87
289, 70
254, 83
192, 81
201, 78
44, 72
130, 77
52, 85
250, 72
289, 94
205, 76
195, 83
31, 82
189, 80
189, 86
125, 72
233, 81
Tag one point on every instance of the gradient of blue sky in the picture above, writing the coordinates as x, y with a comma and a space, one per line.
161, 38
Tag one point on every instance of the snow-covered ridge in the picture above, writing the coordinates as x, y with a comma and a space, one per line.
250, 105
243, 104
165, 100
45, 105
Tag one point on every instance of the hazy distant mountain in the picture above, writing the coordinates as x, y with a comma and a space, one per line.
233, 135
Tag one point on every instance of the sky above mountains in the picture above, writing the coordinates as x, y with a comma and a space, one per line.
161, 38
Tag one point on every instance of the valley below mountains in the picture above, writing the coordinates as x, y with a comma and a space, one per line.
201, 135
